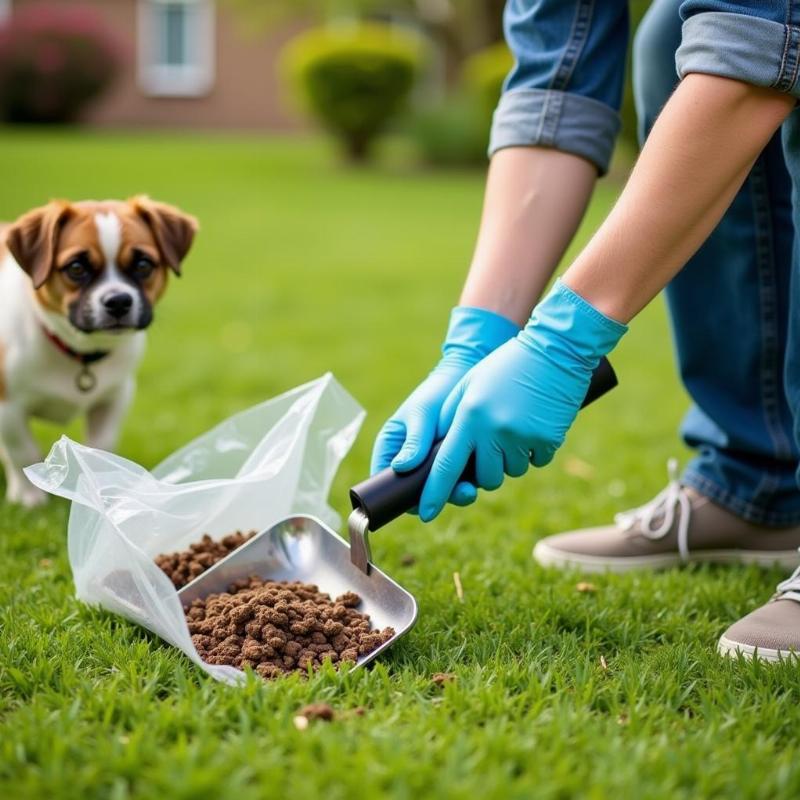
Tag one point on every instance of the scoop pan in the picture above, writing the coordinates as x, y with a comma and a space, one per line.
302, 548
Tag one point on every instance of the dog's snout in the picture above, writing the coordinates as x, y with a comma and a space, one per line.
117, 304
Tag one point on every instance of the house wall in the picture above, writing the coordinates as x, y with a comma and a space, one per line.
247, 89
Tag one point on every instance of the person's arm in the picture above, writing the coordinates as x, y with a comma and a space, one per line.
535, 200
517, 404
694, 162
553, 133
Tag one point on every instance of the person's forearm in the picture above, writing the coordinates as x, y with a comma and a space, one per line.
535, 200
695, 160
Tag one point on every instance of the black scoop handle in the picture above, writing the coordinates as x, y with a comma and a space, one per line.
388, 494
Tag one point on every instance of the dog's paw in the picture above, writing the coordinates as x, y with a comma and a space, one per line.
25, 494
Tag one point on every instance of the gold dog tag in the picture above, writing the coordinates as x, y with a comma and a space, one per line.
85, 380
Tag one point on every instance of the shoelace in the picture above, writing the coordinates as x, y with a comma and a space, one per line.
663, 505
790, 588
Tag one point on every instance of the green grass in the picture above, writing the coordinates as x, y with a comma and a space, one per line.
303, 267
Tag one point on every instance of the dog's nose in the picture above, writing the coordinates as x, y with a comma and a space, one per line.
117, 304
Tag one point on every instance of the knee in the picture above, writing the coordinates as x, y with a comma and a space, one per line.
654, 75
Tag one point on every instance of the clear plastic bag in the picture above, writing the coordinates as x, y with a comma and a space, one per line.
255, 468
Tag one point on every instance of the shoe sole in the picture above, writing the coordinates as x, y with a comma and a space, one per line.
731, 649
549, 556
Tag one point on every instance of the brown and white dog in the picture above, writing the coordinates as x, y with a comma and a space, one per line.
78, 282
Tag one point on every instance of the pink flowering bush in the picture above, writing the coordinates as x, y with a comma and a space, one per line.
55, 59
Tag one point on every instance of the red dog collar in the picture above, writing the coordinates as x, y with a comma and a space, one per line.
85, 380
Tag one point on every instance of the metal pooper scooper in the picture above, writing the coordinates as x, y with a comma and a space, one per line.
301, 548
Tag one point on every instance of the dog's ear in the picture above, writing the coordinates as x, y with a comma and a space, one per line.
32, 239
172, 229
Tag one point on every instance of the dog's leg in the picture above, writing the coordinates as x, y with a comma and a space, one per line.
17, 450
105, 419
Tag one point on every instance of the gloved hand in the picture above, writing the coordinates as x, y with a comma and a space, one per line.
406, 439
515, 407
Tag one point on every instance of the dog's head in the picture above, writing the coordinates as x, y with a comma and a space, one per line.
103, 265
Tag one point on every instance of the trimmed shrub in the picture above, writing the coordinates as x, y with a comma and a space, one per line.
452, 134
54, 60
456, 132
354, 79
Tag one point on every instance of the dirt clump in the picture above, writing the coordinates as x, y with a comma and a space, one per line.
186, 565
318, 711
279, 627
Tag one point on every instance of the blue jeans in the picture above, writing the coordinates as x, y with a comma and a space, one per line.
735, 307
731, 312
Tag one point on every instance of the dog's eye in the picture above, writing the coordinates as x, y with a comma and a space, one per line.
78, 271
143, 268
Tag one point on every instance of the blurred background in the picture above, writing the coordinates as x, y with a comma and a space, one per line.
427, 72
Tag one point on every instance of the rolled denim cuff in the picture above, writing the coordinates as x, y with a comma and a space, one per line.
562, 120
742, 47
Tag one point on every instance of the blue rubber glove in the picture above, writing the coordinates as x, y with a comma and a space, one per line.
406, 439
515, 407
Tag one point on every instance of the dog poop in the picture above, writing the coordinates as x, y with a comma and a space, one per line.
279, 627
318, 711
274, 627
183, 567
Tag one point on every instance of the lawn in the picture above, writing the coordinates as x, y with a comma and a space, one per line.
303, 266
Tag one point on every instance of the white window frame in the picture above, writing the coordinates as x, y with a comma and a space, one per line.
5, 10
176, 80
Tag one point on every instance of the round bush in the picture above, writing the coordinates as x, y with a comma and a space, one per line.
354, 79
451, 134
483, 76
456, 131
54, 60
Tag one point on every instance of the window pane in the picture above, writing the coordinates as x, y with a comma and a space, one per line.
176, 47
173, 32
